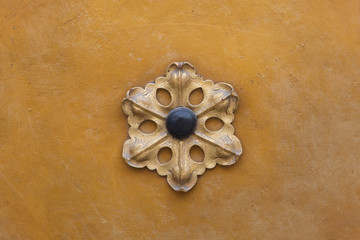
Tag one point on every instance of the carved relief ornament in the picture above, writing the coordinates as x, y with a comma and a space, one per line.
181, 125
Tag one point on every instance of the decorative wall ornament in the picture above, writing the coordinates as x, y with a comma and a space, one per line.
181, 125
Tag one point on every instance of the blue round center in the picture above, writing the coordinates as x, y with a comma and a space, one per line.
181, 122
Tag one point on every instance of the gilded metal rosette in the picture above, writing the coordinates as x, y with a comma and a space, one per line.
219, 147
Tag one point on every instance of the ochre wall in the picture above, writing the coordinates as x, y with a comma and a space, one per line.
65, 67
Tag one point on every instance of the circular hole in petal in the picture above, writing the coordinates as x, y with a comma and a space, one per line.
164, 155
196, 96
148, 126
163, 96
197, 154
214, 124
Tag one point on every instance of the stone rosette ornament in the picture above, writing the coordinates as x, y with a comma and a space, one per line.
181, 126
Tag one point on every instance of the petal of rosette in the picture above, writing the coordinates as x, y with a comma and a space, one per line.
212, 93
183, 171
146, 99
140, 142
180, 75
224, 146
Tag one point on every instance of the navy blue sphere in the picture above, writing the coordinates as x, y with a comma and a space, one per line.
181, 122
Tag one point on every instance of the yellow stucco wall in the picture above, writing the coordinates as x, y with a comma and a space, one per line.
65, 66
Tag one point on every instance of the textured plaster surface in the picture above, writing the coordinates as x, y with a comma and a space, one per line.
65, 66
